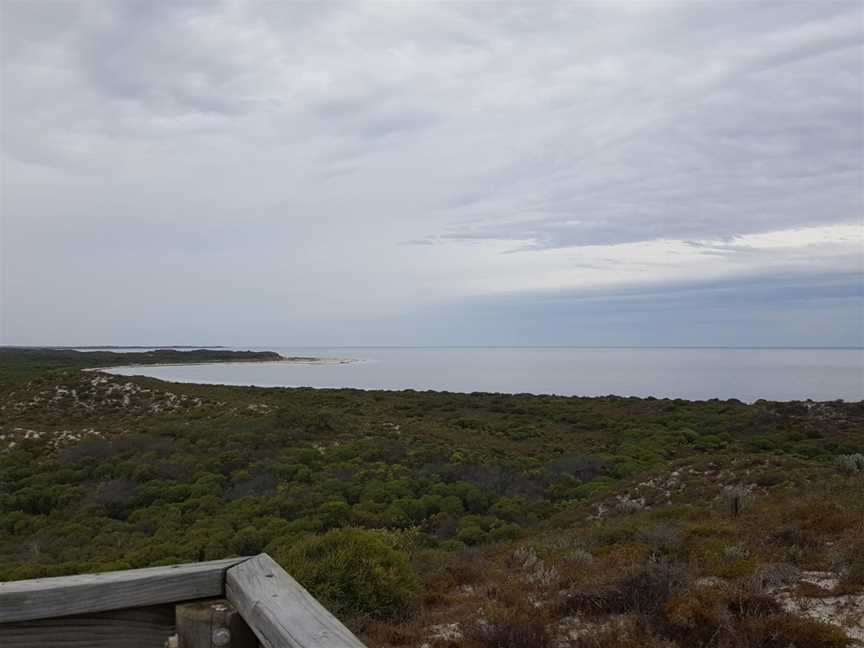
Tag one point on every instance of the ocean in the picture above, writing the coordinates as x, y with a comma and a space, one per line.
747, 374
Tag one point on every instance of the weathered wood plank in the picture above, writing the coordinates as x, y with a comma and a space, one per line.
43, 598
212, 624
146, 627
280, 611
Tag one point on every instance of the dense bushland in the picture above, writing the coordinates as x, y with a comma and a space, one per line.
509, 516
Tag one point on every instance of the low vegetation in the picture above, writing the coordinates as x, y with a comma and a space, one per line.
446, 520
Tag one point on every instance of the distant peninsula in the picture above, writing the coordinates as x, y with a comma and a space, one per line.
25, 359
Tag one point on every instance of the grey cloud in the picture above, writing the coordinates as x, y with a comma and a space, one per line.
372, 117
791, 310
136, 52
775, 144
787, 310
264, 155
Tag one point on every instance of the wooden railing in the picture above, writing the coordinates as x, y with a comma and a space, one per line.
232, 603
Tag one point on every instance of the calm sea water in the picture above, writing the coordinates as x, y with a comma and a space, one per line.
692, 373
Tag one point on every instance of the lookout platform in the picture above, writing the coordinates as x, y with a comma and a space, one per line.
246, 602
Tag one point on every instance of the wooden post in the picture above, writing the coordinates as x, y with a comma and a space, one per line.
212, 624
280, 611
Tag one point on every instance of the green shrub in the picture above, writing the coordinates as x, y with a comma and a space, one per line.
808, 449
762, 442
353, 571
335, 513
471, 534
710, 442
598, 485
770, 479
850, 464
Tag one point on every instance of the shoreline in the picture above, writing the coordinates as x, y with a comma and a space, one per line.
379, 379
283, 360
807, 402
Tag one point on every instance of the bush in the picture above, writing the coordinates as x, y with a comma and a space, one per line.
466, 568
774, 575
353, 571
850, 464
783, 631
762, 443
642, 590
510, 628
703, 614
852, 580
662, 537
770, 479
622, 634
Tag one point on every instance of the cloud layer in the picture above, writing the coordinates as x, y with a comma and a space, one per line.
279, 173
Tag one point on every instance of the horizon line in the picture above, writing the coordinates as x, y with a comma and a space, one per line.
434, 346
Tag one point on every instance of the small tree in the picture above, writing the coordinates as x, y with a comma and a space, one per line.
353, 571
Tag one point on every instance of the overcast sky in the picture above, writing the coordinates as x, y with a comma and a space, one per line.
273, 173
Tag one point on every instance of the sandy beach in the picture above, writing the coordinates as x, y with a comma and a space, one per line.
284, 360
